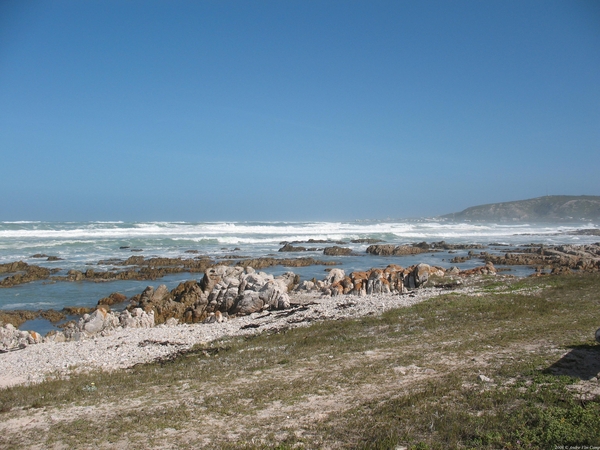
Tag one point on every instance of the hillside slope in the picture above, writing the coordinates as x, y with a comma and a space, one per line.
553, 208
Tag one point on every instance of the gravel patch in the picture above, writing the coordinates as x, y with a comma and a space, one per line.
127, 347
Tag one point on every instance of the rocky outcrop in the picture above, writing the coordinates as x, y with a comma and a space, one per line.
443, 245
488, 269
102, 322
315, 241
392, 279
138, 268
12, 338
17, 266
366, 241
415, 249
337, 251
112, 299
261, 263
585, 232
395, 250
290, 248
228, 290
25, 273
18, 317
585, 258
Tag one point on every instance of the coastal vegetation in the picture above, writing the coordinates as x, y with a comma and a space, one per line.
551, 208
509, 364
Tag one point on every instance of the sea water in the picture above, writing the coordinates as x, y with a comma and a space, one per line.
81, 245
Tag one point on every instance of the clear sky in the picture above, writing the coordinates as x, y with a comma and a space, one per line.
293, 110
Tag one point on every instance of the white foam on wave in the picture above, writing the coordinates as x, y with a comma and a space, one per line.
27, 305
63, 234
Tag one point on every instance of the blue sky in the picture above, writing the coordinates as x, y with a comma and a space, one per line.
293, 110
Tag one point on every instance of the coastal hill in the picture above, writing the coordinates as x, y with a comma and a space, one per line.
552, 208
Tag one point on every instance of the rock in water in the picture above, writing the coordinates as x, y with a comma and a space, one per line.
337, 251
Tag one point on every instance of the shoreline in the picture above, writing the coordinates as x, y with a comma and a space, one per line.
339, 296
127, 347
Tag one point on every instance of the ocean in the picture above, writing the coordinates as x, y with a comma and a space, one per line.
81, 245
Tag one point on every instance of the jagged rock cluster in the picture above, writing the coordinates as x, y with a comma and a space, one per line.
228, 290
560, 259
393, 279
103, 322
415, 249
139, 268
225, 291
100, 322
23, 273
13, 338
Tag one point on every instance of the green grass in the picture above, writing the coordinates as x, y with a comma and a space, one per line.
408, 377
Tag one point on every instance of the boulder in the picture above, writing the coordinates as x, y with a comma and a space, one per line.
10, 338
99, 320
103, 322
334, 276
377, 283
421, 274
137, 319
306, 285
453, 271
75, 275
249, 303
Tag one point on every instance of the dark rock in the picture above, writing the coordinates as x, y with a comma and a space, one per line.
77, 310
112, 299
291, 248
12, 267
488, 269
134, 261
443, 245
337, 251
75, 275
52, 315
260, 263
17, 317
460, 259
366, 241
585, 232
391, 250
31, 273
584, 258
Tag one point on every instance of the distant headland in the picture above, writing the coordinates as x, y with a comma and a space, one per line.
551, 208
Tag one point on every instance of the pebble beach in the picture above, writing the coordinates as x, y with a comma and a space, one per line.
126, 347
